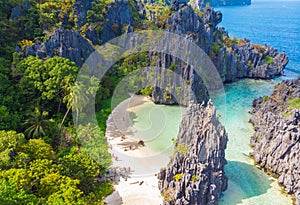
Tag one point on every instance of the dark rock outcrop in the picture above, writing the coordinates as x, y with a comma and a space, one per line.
237, 60
118, 16
65, 43
276, 141
240, 60
195, 174
81, 8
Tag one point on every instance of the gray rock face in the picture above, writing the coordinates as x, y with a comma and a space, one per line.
118, 16
239, 61
81, 8
250, 61
65, 43
276, 141
117, 19
195, 174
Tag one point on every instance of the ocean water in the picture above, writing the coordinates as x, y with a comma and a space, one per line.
265, 22
275, 23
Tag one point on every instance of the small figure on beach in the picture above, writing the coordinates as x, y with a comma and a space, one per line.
123, 137
141, 143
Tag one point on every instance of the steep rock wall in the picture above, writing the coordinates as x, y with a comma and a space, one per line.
276, 141
195, 174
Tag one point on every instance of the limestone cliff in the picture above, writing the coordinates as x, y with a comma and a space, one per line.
65, 43
233, 58
276, 141
195, 174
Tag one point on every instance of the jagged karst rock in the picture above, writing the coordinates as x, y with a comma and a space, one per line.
65, 43
276, 141
195, 175
81, 8
239, 61
119, 15
18, 11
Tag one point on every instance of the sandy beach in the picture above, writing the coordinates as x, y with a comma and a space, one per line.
134, 166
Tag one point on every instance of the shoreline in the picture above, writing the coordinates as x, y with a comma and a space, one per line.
133, 170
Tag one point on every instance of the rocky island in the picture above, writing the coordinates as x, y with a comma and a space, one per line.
195, 174
276, 141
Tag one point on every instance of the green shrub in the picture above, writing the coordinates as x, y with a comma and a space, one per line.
177, 177
265, 98
181, 148
215, 49
294, 103
268, 59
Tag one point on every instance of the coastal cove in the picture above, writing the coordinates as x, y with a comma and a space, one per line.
247, 183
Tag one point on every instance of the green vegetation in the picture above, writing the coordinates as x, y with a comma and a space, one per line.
265, 98
195, 178
230, 41
268, 59
215, 49
168, 195
181, 148
177, 177
294, 103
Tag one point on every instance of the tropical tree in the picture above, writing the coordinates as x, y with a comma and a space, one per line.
9, 142
82, 167
37, 125
38, 149
58, 189
9, 194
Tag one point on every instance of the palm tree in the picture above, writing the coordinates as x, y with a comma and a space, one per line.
36, 124
76, 100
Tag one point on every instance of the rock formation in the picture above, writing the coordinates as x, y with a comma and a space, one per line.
276, 141
195, 174
233, 58
65, 43
238, 60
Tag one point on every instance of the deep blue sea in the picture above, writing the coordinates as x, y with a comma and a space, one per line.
276, 23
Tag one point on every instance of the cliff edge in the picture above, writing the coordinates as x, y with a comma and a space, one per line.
276, 141
195, 174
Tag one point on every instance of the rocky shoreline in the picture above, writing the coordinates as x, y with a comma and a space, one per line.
276, 141
195, 174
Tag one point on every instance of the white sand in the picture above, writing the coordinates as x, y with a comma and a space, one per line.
138, 185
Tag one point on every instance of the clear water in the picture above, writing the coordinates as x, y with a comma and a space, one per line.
274, 23
157, 125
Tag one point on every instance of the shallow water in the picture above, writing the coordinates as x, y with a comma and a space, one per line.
157, 125
247, 183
